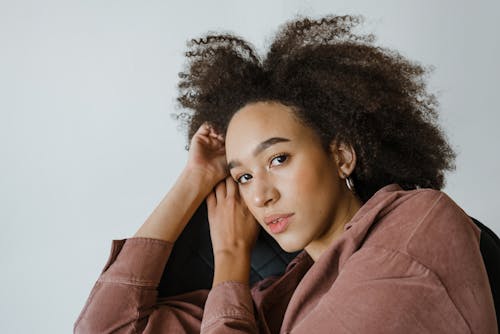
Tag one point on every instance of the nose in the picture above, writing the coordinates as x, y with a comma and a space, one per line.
264, 193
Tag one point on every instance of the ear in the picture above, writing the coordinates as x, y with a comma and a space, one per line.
344, 157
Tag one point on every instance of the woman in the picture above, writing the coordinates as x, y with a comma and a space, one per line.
329, 144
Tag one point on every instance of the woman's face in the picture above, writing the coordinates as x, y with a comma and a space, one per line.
289, 183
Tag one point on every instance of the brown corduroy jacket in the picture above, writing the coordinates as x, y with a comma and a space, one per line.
408, 262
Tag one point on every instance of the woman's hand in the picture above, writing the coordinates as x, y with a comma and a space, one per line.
207, 155
233, 231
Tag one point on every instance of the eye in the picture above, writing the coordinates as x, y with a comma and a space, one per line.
279, 159
243, 178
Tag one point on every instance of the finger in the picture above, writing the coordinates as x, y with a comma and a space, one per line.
203, 139
218, 137
208, 132
215, 142
200, 134
231, 188
214, 134
220, 190
204, 129
211, 201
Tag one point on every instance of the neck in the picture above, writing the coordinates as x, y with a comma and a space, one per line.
347, 209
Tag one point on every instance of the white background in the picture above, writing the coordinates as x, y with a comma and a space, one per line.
88, 147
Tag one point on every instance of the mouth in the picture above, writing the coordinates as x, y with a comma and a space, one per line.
278, 223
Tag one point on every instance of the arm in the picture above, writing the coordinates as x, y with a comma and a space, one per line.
233, 230
205, 167
177, 207
124, 298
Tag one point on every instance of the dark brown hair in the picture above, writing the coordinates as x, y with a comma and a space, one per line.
337, 82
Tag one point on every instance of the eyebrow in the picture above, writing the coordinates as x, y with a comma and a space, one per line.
261, 147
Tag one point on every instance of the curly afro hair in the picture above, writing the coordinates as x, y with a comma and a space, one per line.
337, 82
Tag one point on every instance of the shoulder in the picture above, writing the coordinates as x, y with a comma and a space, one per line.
426, 248
429, 229
420, 220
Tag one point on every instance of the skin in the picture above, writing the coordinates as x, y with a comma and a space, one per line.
205, 167
204, 177
294, 176
306, 181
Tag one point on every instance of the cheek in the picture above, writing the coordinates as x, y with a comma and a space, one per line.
244, 196
318, 187
247, 200
307, 180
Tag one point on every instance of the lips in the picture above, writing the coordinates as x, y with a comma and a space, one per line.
278, 223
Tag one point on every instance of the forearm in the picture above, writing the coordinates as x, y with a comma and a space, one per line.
170, 217
124, 299
229, 306
127, 284
234, 266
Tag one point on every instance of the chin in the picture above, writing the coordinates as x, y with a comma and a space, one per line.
290, 247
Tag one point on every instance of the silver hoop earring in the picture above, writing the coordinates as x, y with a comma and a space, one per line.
350, 184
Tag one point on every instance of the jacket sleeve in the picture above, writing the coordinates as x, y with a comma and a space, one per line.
229, 309
124, 298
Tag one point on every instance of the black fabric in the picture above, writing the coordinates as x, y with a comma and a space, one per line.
191, 264
490, 250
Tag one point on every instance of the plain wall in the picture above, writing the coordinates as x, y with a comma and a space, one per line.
88, 147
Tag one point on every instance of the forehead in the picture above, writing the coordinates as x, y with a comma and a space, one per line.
264, 112
260, 121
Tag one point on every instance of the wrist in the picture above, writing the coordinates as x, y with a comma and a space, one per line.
199, 179
226, 256
231, 266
